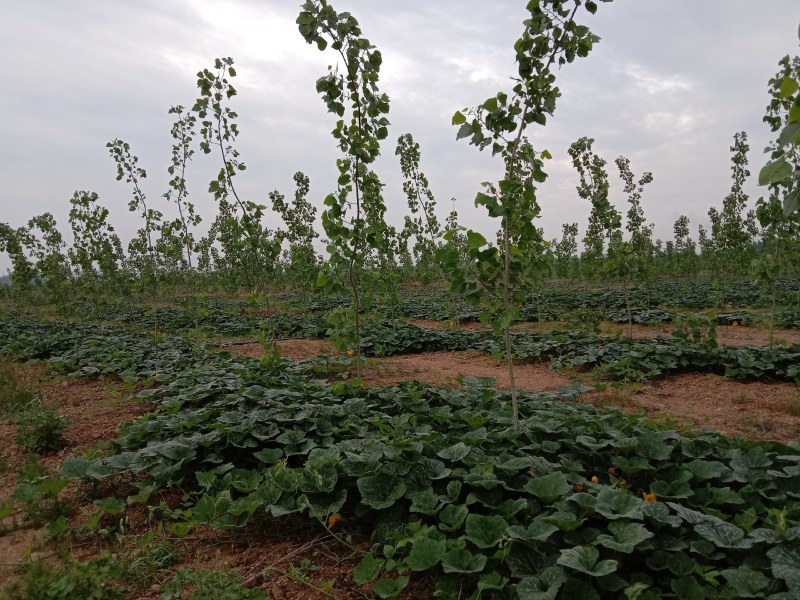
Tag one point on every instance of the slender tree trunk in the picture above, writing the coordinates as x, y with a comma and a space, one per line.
506, 306
630, 313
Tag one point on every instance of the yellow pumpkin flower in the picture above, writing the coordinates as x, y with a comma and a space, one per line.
333, 519
649, 497
595, 479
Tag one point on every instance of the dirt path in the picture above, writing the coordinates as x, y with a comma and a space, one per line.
755, 410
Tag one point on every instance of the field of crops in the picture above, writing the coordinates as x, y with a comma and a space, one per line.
402, 489
257, 403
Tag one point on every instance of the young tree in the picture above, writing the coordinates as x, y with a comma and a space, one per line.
52, 264
685, 249
177, 237
13, 241
141, 249
732, 244
354, 218
778, 215
551, 38
423, 224
96, 251
605, 221
249, 248
299, 216
565, 250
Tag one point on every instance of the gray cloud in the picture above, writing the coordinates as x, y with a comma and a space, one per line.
668, 86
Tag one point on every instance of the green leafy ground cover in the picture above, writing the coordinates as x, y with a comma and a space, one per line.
305, 316
616, 357
438, 481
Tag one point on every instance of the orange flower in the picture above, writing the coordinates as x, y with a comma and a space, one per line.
578, 487
649, 497
349, 353
595, 479
333, 519
613, 470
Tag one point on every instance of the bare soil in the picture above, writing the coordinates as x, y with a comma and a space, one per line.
94, 412
755, 410
448, 368
727, 335
298, 349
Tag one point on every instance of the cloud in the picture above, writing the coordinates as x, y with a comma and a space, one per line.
667, 86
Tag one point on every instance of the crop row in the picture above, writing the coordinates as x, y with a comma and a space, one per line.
578, 501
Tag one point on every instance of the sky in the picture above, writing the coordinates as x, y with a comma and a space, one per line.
668, 86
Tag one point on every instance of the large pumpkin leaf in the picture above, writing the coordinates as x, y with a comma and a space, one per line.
380, 491
585, 560
485, 531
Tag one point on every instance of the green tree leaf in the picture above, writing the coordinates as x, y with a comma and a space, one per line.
774, 171
788, 87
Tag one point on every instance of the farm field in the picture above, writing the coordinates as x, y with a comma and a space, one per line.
541, 395
208, 454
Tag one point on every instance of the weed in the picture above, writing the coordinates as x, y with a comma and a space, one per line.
741, 399
698, 329
92, 580
209, 585
35, 495
793, 405
13, 396
40, 428
757, 426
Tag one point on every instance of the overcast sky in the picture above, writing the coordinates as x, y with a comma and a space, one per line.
668, 86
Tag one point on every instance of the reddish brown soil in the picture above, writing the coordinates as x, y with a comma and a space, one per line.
94, 412
294, 348
756, 410
266, 563
727, 335
447, 368
435, 368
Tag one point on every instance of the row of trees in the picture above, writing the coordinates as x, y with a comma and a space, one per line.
240, 251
